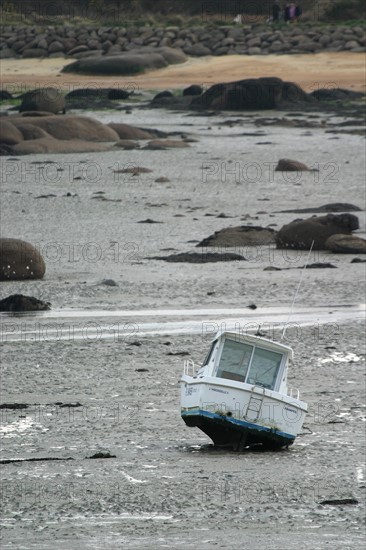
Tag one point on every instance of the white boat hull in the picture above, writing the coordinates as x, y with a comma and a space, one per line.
236, 414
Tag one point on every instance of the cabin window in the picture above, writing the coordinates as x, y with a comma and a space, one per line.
235, 358
264, 368
209, 355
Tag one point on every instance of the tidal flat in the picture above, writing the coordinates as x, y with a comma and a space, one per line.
99, 373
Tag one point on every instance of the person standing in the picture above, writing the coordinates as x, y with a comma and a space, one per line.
286, 13
298, 12
276, 11
292, 12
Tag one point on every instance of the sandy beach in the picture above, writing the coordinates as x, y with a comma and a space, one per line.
311, 72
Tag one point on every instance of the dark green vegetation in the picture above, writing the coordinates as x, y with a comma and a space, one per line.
170, 12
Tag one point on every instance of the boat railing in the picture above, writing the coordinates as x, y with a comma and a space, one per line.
294, 392
189, 367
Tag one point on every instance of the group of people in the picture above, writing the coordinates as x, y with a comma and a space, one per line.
291, 12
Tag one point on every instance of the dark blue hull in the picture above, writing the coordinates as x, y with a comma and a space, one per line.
233, 433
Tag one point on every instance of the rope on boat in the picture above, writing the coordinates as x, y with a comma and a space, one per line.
297, 291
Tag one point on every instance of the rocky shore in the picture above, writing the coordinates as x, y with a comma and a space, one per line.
39, 128
53, 41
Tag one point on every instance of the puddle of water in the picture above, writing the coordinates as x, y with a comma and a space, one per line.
16, 428
237, 320
338, 357
91, 313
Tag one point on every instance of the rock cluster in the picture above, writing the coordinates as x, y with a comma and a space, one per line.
55, 41
39, 132
288, 165
54, 134
331, 232
302, 234
200, 258
48, 99
251, 93
244, 235
127, 63
19, 302
346, 244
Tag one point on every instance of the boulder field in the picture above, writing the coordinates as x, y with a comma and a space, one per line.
81, 41
36, 130
263, 93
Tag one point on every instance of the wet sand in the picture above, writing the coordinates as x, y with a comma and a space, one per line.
311, 72
167, 486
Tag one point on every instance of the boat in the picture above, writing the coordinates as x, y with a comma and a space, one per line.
239, 396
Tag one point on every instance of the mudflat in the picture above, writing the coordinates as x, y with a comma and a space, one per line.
99, 372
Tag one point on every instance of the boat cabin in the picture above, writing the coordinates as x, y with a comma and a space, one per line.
248, 359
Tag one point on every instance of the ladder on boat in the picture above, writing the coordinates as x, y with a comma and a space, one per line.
254, 404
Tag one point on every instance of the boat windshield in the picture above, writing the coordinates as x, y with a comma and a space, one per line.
251, 364
264, 368
209, 355
234, 360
